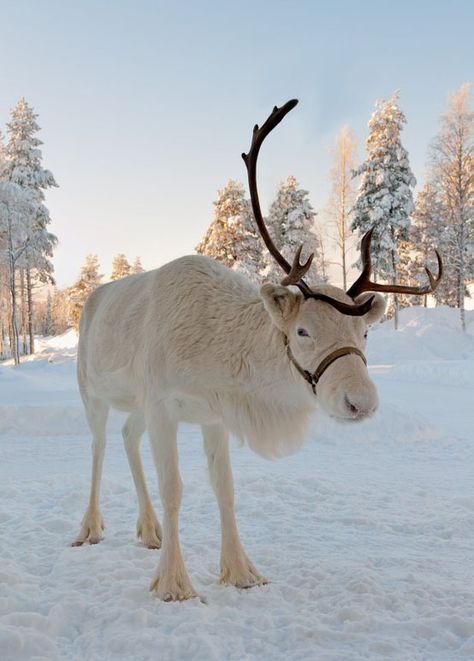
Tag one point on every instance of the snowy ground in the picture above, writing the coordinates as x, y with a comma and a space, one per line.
366, 534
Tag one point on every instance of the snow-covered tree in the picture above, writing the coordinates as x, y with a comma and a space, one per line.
137, 266
3, 156
5, 328
385, 200
47, 326
323, 263
452, 160
89, 279
120, 267
291, 223
232, 236
16, 206
61, 310
342, 196
23, 167
4, 315
423, 238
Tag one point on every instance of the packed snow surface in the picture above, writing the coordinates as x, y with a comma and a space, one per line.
366, 534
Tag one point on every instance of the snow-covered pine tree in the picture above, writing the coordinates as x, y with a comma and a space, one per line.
452, 160
291, 223
137, 266
120, 267
47, 322
322, 266
232, 236
16, 207
385, 200
423, 238
342, 196
23, 166
89, 279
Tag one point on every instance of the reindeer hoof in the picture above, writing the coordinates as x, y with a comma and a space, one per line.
91, 529
242, 575
88, 539
149, 533
177, 588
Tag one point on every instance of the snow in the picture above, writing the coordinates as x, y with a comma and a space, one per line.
366, 534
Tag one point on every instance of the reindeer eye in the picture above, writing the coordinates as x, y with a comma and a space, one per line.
302, 332
365, 335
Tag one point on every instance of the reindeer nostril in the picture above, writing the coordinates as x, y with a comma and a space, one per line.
354, 410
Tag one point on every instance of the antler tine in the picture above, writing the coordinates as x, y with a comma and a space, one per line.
363, 282
298, 270
364, 278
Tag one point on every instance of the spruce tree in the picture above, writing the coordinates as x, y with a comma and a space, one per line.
385, 200
48, 324
89, 279
120, 267
232, 236
23, 166
291, 223
137, 266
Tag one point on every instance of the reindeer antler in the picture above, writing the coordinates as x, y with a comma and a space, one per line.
250, 159
297, 271
363, 282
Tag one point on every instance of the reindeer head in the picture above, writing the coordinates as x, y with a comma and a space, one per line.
325, 329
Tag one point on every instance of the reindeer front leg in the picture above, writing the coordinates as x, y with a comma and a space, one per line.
236, 568
171, 580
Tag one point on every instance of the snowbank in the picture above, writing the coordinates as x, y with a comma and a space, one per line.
423, 334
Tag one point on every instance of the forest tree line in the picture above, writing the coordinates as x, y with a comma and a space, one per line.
377, 193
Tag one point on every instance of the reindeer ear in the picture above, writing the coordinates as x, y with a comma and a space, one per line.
377, 310
280, 303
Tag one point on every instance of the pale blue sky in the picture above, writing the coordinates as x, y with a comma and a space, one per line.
146, 106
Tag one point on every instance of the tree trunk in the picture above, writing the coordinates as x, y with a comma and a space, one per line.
23, 312
29, 293
9, 329
15, 339
461, 275
15, 345
344, 270
394, 281
342, 234
462, 312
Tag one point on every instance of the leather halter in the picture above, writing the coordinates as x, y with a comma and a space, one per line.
313, 377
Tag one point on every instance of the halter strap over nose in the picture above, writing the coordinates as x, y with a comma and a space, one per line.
313, 377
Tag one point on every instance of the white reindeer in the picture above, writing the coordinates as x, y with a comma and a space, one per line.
193, 341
